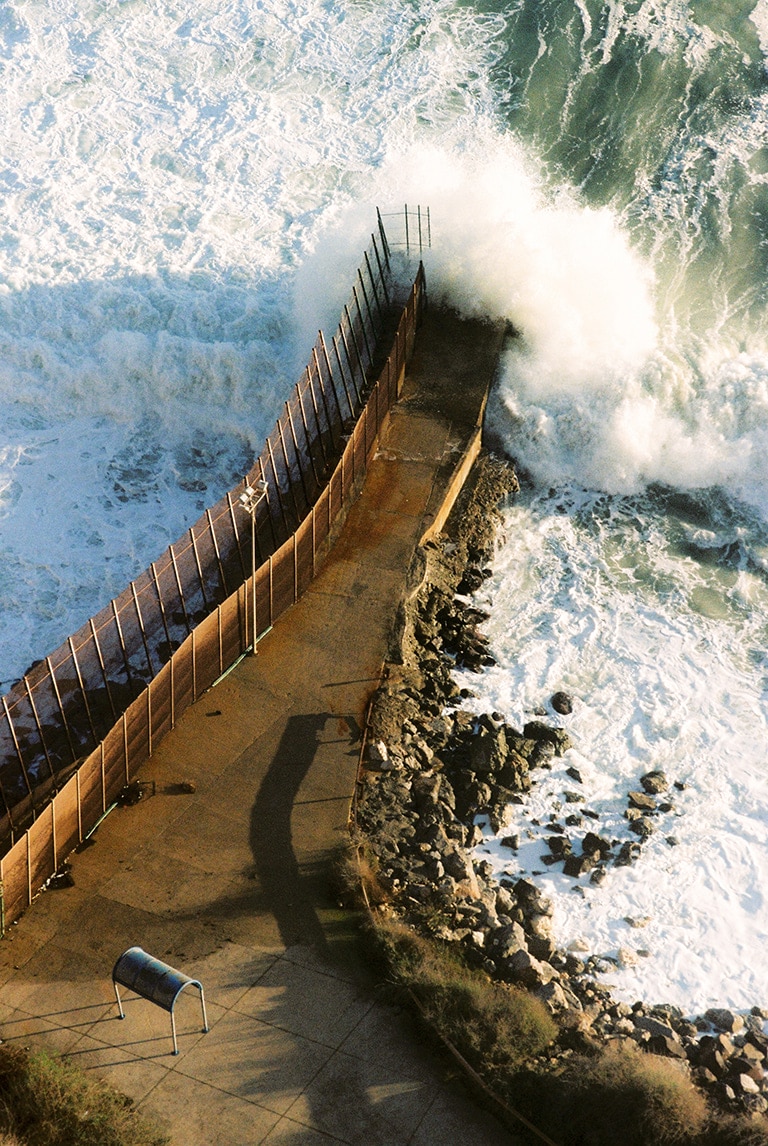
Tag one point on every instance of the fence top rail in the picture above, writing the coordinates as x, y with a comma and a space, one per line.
140, 720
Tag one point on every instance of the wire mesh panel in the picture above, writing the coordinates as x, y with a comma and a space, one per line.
114, 770
283, 579
231, 624
161, 708
137, 741
207, 664
67, 818
41, 857
92, 790
121, 681
305, 557
14, 873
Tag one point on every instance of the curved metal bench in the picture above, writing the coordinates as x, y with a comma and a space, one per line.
156, 981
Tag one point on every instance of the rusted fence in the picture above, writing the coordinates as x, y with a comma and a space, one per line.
78, 726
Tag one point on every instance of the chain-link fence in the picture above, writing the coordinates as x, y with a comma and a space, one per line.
74, 731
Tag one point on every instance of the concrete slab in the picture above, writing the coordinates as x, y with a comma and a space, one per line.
207, 1116
306, 1002
230, 882
255, 1061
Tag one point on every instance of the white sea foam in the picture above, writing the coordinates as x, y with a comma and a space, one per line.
168, 179
162, 175
665, 657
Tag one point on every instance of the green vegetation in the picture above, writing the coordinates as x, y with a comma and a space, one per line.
46, 1101
617, 1095
496, 1028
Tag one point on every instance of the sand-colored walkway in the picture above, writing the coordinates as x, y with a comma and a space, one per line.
230, 882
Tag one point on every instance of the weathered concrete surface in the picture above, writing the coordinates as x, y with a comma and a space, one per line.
230, 883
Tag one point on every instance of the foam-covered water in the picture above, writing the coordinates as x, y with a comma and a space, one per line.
184, 197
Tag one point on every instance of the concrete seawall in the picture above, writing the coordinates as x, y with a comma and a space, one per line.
229, 881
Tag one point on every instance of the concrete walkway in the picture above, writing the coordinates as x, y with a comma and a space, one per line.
230, 882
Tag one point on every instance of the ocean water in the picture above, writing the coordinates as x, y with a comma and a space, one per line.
184, 193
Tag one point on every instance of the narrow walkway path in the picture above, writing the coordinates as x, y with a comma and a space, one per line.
229, 882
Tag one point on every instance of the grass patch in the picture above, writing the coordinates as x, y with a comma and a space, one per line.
495, 1027
46, 1101
626, 1095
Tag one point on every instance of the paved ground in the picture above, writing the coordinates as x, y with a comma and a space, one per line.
230, 883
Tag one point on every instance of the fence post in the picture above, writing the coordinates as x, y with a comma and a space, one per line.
180, 589
39, 726
64, 720
83, 692
24, 772
216, 551
194, 662
125, 748
29, 870
221, 640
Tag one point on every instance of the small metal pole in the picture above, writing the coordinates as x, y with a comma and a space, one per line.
122, 646
24, 772
382, 276
373, 282
269, 507
328, 418
286, 523
291, 483
103, 669
39, 726
307, 437
137, 606
199, 568
350, 403
307, 499
216, 551
83, 692
362, 324
317, 417
161, 604
382, 232
64, 720
180, 589
321, 340
349, 357
407, 241
236, 533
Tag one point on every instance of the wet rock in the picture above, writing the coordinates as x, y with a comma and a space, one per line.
562, 703
536, 730
642, 827
529, 971
641, 800
628, 854
578, 865
560, 846
595, 845
668, 1047
654, 782
724, 1020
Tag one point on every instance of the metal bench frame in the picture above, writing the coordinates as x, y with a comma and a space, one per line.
156, 981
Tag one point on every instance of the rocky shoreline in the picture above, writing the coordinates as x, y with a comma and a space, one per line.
432, 768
